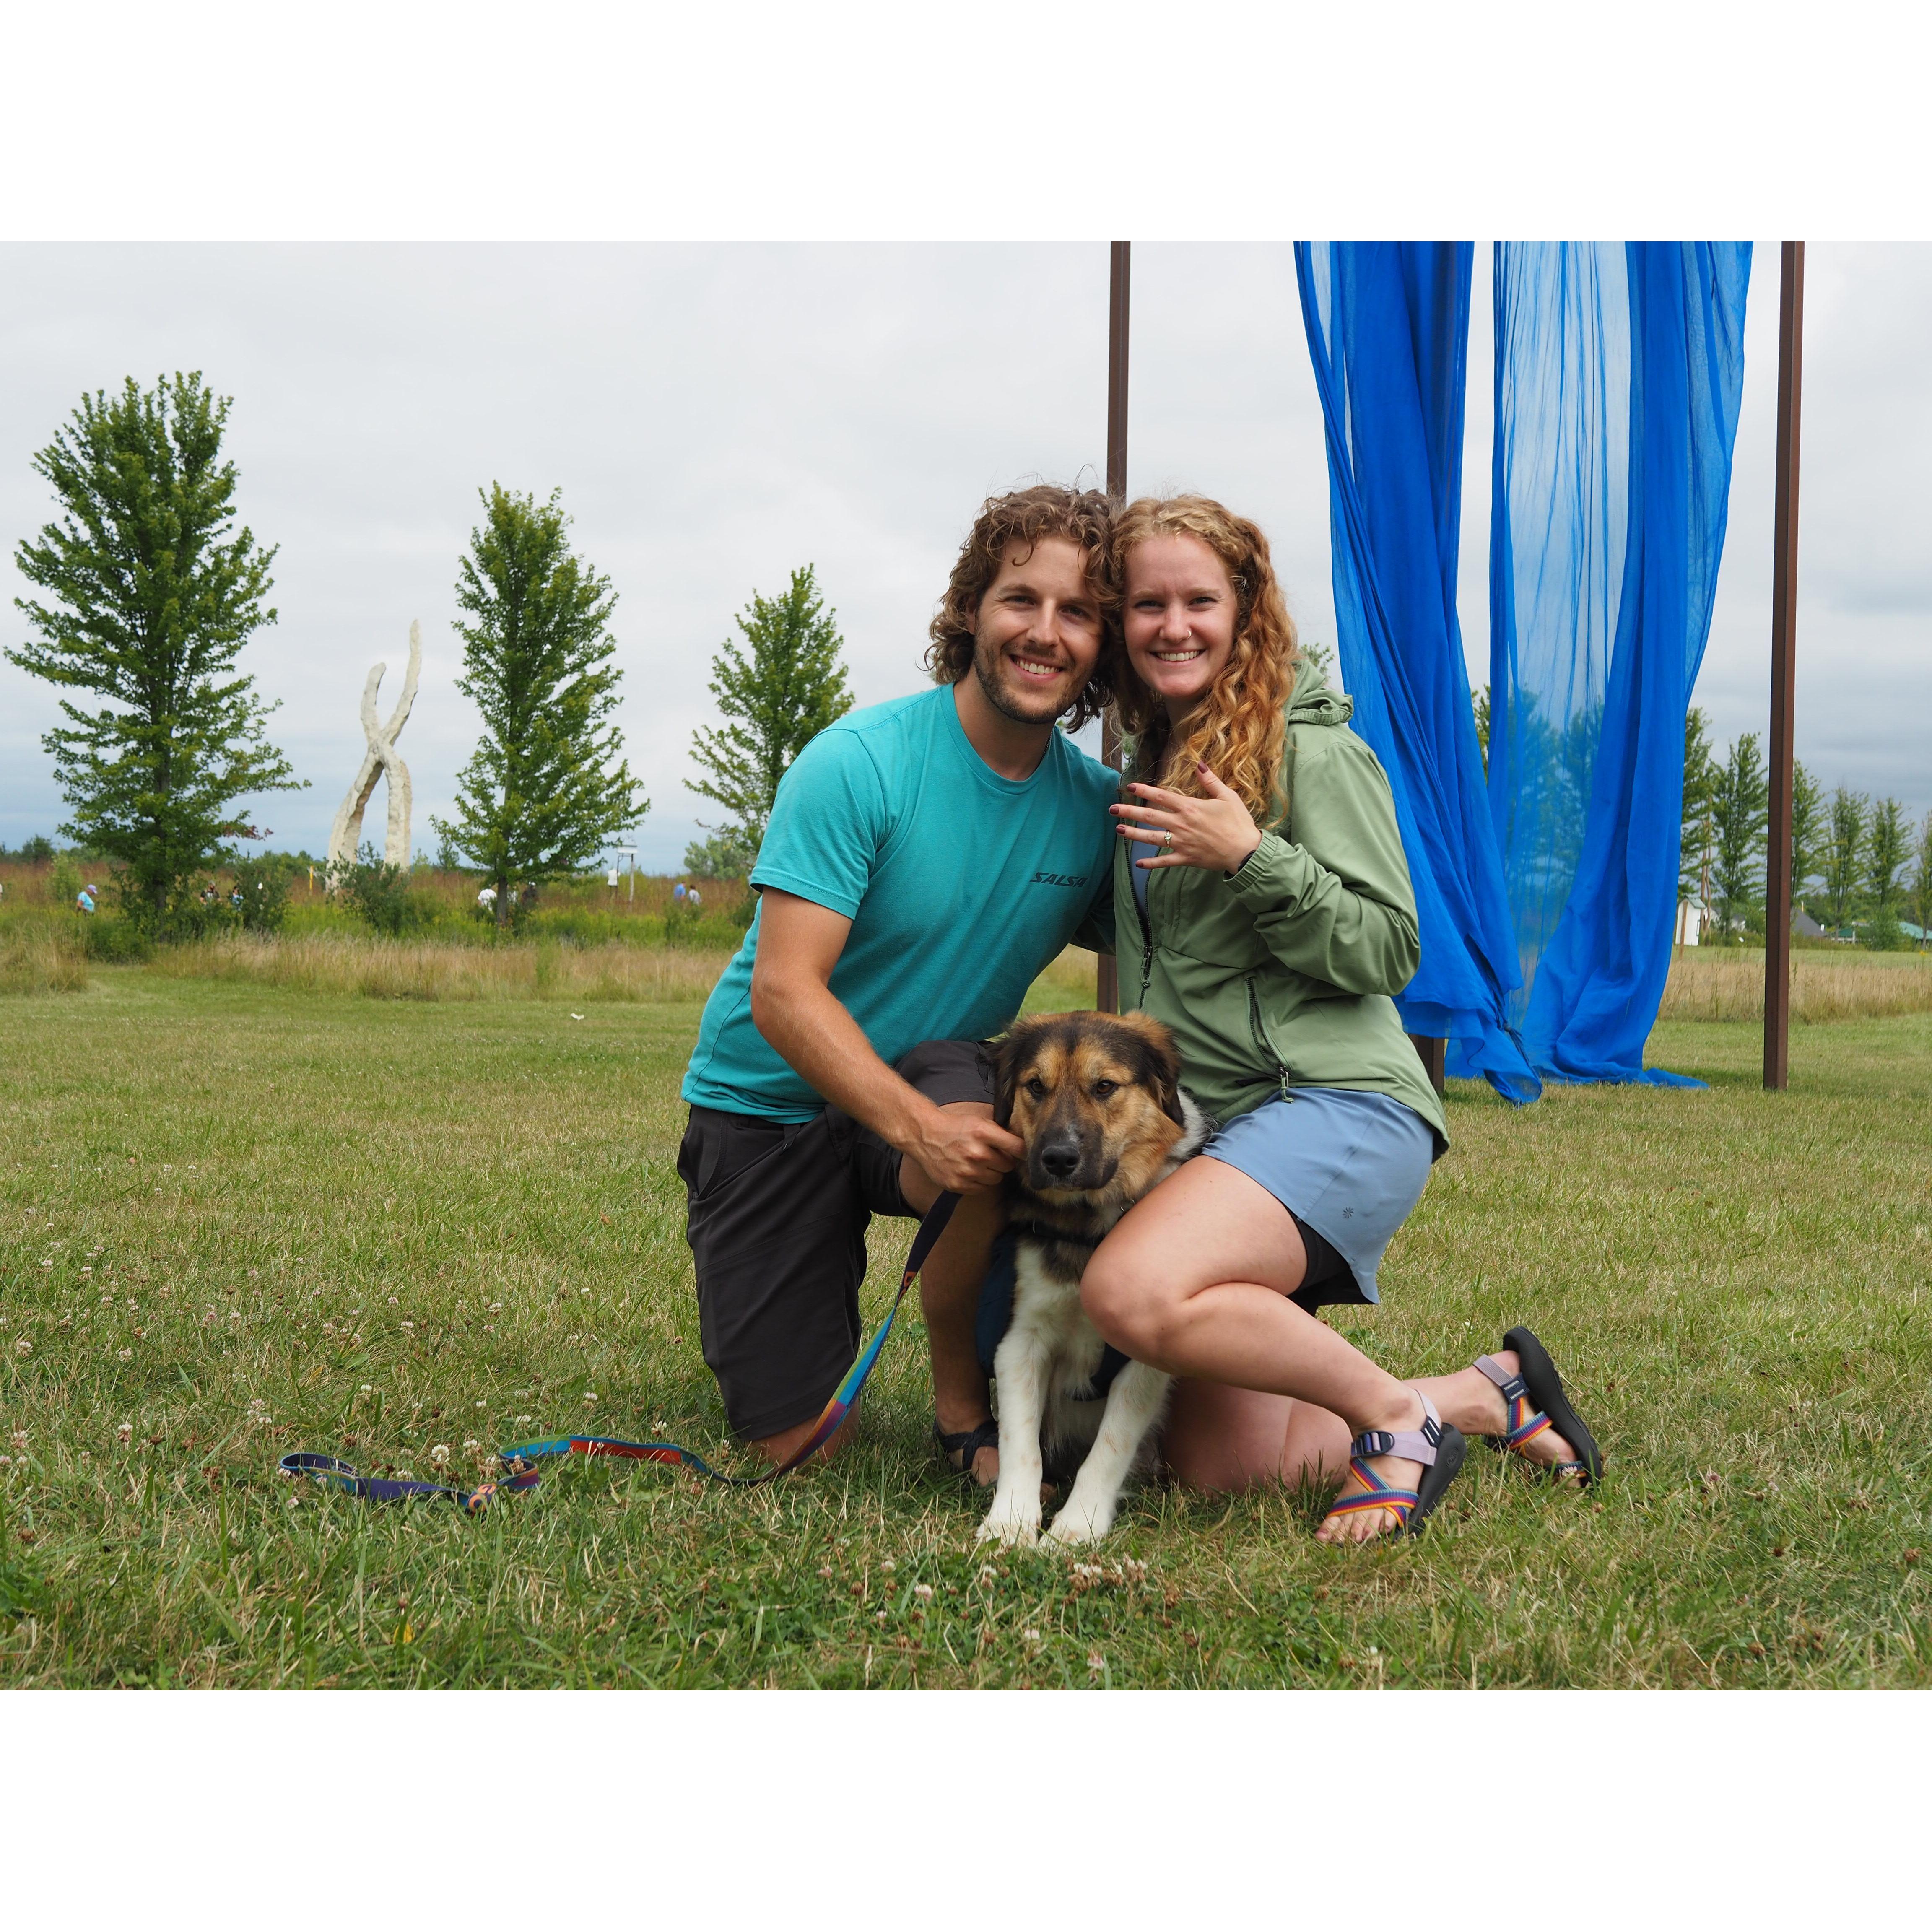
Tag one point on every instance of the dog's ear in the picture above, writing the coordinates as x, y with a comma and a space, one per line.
1005, 1076
1166, 1064
1160, 1063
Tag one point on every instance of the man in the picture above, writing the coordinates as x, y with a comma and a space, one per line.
924, 860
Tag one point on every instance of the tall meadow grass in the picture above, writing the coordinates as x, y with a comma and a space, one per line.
1848, 985
405, 969
41, 958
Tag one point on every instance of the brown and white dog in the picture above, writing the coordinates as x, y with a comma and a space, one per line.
1096, 1098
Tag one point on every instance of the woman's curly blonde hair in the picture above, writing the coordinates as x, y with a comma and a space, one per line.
1239, 732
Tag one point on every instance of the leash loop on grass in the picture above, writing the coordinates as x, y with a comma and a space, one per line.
519, 1471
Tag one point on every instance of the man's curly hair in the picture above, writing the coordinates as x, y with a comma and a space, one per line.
1024, 517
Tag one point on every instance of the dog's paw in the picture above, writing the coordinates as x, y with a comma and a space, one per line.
1012, 1530
1075, 1527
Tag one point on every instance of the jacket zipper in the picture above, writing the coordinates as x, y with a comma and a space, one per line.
1262, 1040
1147, 928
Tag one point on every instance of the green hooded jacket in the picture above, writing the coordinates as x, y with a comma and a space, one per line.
1280, 975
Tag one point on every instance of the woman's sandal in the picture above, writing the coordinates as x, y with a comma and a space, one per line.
1437, 1445
1537, 1382
966, 1446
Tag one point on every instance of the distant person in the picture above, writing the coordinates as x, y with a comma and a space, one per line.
677, 891
84, 899
925, 858
486, 898
694, 897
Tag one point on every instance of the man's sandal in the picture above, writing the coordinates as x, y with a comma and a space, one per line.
1534, 1402
966, 1446
1437, 1445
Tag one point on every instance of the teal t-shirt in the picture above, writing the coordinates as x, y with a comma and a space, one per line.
960, 886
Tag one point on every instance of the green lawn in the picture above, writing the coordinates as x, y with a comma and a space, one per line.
239, 1220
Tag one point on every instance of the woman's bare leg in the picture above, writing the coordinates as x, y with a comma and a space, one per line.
1195, 1280
1219, 1439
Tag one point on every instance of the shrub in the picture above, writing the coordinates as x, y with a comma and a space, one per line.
264, 884
378, 893
115, 941
1882, 933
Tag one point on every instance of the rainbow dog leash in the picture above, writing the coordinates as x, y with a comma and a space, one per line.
520, 1472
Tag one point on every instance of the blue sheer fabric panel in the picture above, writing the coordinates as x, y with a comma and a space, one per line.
1618, 369
1388, 326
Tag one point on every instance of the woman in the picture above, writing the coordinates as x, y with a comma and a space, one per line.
1261, 869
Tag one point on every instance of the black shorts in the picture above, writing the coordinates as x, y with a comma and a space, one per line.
776, 1217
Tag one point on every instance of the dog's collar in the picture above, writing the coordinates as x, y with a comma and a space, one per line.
1047, 1233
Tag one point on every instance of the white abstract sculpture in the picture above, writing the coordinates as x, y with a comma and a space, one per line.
379, 761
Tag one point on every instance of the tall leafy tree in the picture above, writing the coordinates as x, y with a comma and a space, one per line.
1700, 773
1741, 811
1845, 851
147, 593
1888, 847
545, 790
1921, 879
780, 689
1811, 830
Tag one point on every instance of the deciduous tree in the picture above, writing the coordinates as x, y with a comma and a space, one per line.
148, 594
1845, 849
780, 694
1741, 811
1888, 847
1811, 830
1700, 772
545, 790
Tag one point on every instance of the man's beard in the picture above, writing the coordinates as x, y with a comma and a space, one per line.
1001, 696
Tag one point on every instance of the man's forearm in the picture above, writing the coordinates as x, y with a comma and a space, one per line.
808, 1028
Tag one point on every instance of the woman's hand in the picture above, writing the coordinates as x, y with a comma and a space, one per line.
1214, 832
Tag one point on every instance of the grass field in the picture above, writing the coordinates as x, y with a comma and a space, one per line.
241, 1218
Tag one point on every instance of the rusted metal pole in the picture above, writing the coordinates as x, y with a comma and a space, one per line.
1777, 879
1107, 993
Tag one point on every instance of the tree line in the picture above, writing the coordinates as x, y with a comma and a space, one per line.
1857, 863
146, 593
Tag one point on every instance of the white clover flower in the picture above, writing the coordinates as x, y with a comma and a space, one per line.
889, 1566
482, 1405
88, 1270
496, 1308
126, 1429
1096, 1662
439, 1453
589, 1395
20, 1440
923, 1592
394, 1302
254, 1274
471, 1444
1031, 1636
522, 1419
367, 1388
406, 1325
124, 1354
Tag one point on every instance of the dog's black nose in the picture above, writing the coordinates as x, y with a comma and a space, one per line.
1060, 1158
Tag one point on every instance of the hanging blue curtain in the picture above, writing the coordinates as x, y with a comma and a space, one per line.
1618, 369
1388, 326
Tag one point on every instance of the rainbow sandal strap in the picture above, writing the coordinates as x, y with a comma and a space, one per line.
1414, 1445
1522, 1423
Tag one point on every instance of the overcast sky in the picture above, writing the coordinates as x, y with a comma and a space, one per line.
716, 416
